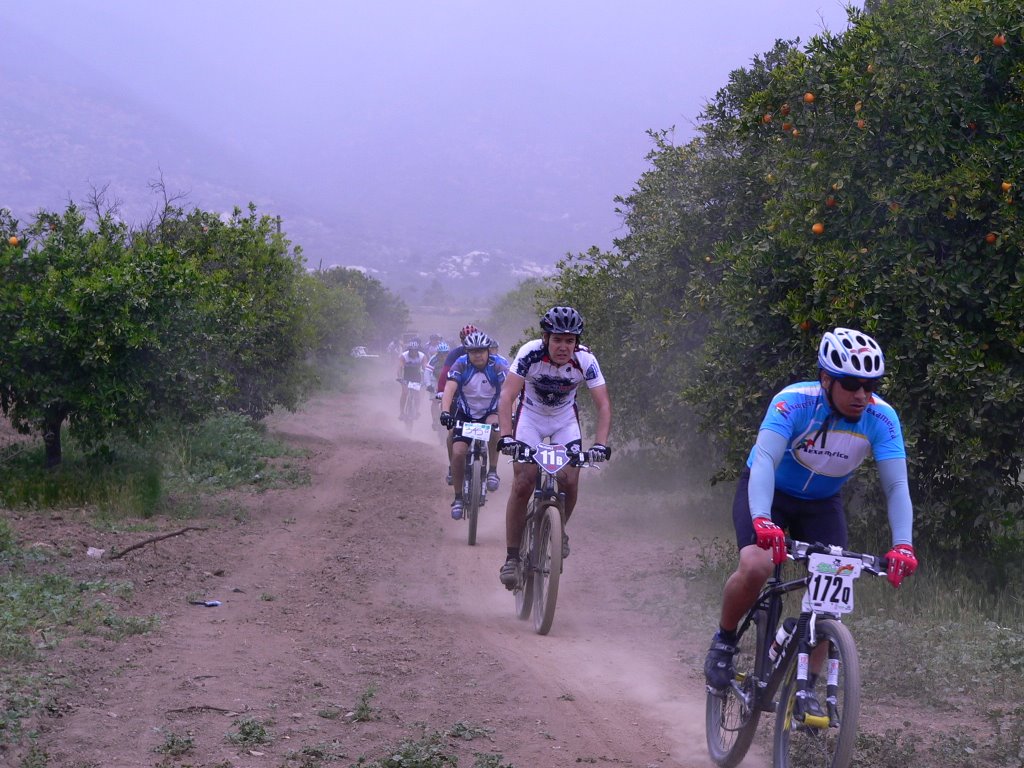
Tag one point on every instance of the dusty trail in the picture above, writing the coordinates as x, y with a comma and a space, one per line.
361, 583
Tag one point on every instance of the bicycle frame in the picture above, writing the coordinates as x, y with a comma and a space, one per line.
770, 674
732, 713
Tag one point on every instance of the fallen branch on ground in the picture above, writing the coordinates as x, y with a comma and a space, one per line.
151, 539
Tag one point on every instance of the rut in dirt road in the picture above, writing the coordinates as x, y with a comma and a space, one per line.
360, 587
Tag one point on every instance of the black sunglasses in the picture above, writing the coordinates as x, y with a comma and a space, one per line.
852, 384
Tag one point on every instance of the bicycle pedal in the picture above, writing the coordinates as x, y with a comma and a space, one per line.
819, 722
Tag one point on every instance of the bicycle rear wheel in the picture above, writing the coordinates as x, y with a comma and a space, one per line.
731, 715
798, 745
474, 480
547, 549
524, 592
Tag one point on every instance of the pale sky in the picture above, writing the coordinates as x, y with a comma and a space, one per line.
495, 125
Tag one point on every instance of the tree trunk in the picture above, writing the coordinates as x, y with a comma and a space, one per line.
51, 439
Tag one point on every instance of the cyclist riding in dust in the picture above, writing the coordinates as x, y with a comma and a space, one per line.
544, 377
410, 368
473, 388
812, 439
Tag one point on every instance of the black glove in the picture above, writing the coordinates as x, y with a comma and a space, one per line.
600, 452
447, 420
508, 445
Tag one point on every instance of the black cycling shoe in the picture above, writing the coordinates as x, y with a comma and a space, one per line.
718, 667
807, 704
509, 573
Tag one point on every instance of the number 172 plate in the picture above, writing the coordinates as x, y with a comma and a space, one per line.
830, 583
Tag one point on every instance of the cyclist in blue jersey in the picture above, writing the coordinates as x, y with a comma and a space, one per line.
471, 394
812, 439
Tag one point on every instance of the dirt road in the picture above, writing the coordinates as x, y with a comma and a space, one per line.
360, 587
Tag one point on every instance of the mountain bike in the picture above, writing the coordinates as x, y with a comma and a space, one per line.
773, 658
540, 548
411, 412
474, 479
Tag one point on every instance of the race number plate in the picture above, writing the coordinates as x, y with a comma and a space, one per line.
551, 458
830, 583
476, 431
414, 385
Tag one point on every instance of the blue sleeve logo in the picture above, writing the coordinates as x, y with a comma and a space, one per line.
592, 372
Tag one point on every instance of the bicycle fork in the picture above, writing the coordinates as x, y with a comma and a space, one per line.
806, 631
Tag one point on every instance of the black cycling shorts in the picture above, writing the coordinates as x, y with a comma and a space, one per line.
811, 520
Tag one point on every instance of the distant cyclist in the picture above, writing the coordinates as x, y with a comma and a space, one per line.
471, 394
434, 364
410, 368
454, 354
496, 354
813, 437
544, 377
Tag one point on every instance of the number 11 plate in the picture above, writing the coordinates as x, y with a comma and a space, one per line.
830, 583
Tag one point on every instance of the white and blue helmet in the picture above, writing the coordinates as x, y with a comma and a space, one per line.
846, 352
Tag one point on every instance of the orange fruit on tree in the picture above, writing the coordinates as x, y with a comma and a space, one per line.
766, 119
796, 132
871, 69
13, 240
805, 325
830, 201
999, 40
991, 237
787, 126
862, 123
809, 97
784, 109
818, 228
1006, 186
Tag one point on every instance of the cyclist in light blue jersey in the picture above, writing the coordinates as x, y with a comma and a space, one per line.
813, 437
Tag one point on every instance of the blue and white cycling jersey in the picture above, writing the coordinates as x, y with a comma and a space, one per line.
824, 448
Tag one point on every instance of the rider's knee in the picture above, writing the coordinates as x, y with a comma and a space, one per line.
755, 564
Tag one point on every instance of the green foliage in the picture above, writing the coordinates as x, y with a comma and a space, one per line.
910, 154
111, 330
251, 733
224, 451
175, 745
514, 314
430, 751
123, 480
364, 710
84, 316
387, 315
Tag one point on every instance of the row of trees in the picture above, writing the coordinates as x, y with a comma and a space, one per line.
109, 328
868, 179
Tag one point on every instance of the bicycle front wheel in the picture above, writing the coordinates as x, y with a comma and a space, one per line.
547, 550
731, 715
802, 745
524, 592
474, 478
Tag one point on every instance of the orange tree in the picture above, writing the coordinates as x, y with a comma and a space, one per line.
644, 301
868, 179
92, 330
909, 156
109, 330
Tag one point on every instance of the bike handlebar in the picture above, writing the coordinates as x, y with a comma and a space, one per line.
589, 458
798, 551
